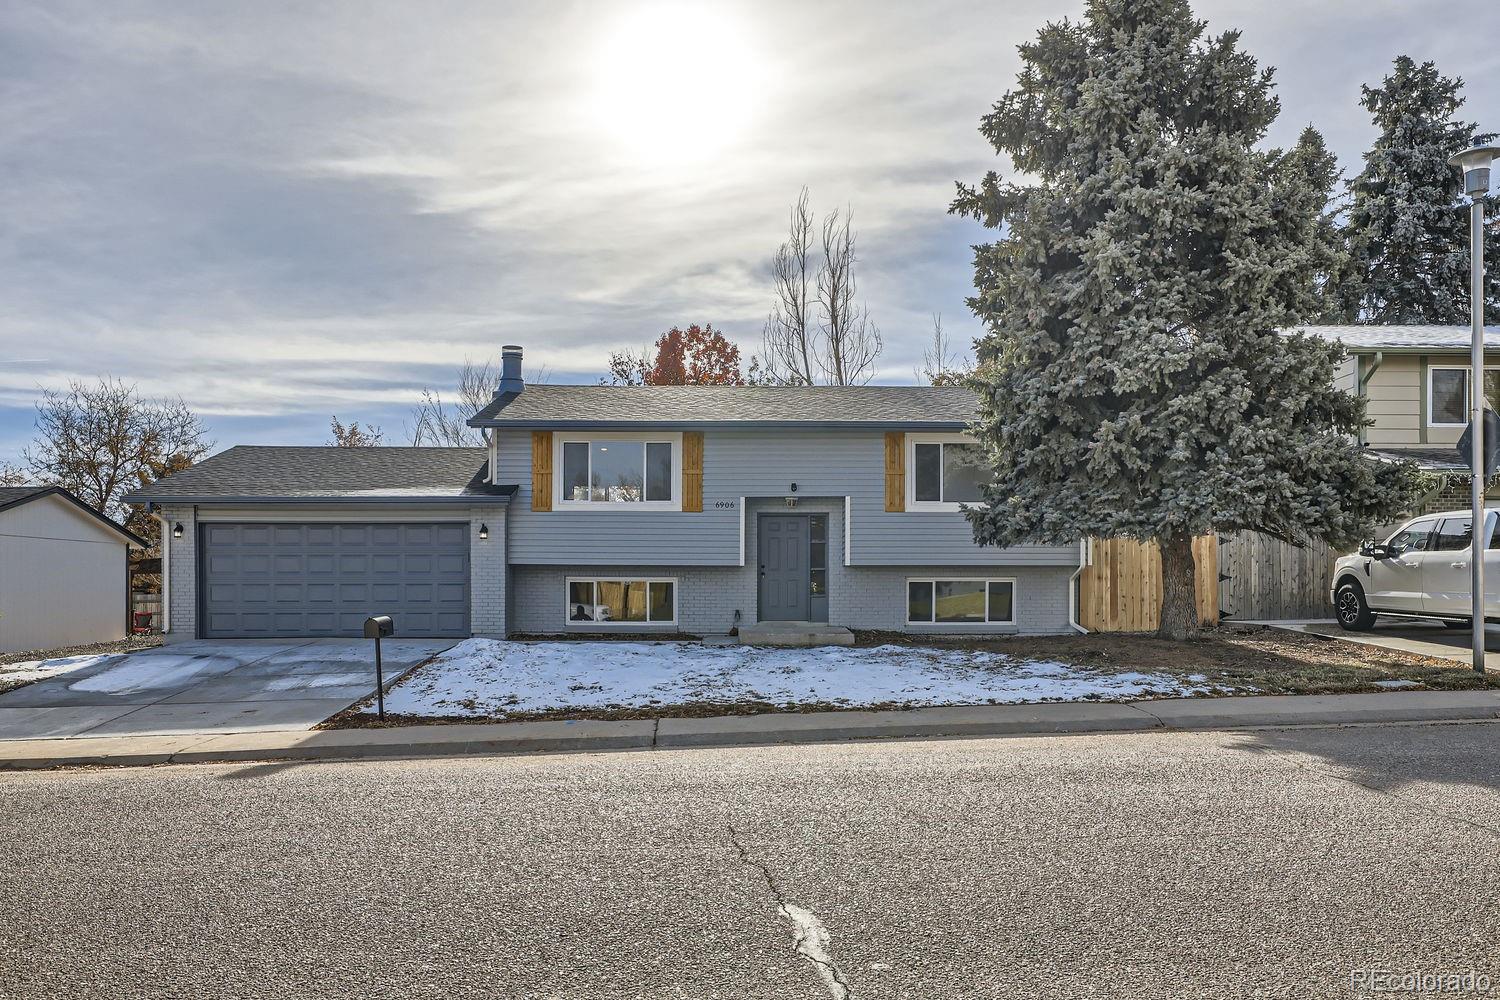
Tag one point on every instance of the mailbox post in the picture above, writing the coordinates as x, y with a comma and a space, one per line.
375, 628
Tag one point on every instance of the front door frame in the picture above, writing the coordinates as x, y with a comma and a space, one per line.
760, 571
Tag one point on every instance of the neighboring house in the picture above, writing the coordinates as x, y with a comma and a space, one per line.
64, 571
1415, 381
612, 509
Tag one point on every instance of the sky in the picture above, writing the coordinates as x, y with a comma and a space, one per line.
283, 212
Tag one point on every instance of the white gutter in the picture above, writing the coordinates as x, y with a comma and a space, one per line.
1085, 551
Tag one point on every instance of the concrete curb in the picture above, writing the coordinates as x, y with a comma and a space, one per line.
747, 730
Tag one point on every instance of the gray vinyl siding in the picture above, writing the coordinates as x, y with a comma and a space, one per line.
859, 597
751, 463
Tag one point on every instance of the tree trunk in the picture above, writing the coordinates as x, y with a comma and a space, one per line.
1179, 605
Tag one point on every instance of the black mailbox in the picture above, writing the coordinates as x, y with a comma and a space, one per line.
380, 625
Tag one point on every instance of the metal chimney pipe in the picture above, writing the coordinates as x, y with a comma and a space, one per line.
510, 370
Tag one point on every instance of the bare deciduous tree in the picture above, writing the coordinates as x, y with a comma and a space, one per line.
101, 440
437, 422
851, 339
352, 435
941, 363
13, 475
817, 330
790, 332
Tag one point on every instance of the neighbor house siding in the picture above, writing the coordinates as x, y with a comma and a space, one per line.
62, 577
1394, 402
751, 463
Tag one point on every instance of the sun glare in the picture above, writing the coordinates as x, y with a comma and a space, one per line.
676, 82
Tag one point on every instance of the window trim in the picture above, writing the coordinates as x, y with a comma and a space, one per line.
910, 458
1432, 370
986, 580
560, 502
568, 582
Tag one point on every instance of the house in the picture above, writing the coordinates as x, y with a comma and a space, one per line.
64, 571
613, 509
1415, 380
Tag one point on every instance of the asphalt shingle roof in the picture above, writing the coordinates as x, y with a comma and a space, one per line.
602, 405
1404, 338
1427, 459
260, 473
13, 494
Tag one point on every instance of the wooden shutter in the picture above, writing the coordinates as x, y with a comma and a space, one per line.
895, 470
541, 470
692, 470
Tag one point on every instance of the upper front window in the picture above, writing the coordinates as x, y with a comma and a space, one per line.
600, 469
945, 469
1448, 394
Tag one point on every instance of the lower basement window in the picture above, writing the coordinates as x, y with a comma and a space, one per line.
961, 602
622, 602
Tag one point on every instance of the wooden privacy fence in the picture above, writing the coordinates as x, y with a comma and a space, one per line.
1264, 578
1245, 576
1120, 590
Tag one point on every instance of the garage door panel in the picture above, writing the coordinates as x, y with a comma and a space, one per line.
325, 579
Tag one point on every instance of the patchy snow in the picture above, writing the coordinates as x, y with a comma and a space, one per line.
307, 681
149, 671
36, 670
491, 678
1398, 684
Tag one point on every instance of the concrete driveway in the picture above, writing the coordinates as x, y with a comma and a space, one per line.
1427, 638
208, 686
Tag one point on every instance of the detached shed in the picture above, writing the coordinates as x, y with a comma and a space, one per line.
64, 571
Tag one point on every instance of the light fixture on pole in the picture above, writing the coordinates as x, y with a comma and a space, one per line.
1475, 163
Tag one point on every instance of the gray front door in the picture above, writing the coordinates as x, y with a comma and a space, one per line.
274, 580
783, 568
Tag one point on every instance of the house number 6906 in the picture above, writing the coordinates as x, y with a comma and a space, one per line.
724, 505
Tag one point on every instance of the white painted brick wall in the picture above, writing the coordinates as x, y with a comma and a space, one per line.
487, 583
859, 597
182, 586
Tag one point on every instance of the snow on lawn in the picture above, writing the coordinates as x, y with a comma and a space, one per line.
491, 678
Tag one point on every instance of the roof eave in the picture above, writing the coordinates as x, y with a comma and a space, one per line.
872, 425
253, 500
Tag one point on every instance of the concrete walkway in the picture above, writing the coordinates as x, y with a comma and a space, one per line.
206, 687
812, 727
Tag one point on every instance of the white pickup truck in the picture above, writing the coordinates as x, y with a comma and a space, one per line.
1421, 571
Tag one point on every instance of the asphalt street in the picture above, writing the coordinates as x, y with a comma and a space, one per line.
1274, 863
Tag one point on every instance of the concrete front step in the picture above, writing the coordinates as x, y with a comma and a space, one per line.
795, 634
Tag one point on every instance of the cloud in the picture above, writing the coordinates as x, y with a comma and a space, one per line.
280, 211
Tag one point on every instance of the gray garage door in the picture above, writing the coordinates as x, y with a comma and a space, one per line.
263, 580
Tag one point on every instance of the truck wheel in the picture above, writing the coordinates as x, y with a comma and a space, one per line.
1353, 611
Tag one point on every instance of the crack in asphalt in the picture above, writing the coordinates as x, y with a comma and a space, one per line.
809, 936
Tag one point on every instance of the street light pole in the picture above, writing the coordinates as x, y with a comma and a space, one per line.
1475, 163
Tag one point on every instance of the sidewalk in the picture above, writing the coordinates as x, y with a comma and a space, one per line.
744, 730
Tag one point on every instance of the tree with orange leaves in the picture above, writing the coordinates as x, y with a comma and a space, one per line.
699, 355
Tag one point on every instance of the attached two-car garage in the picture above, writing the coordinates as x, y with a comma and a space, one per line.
295, 579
